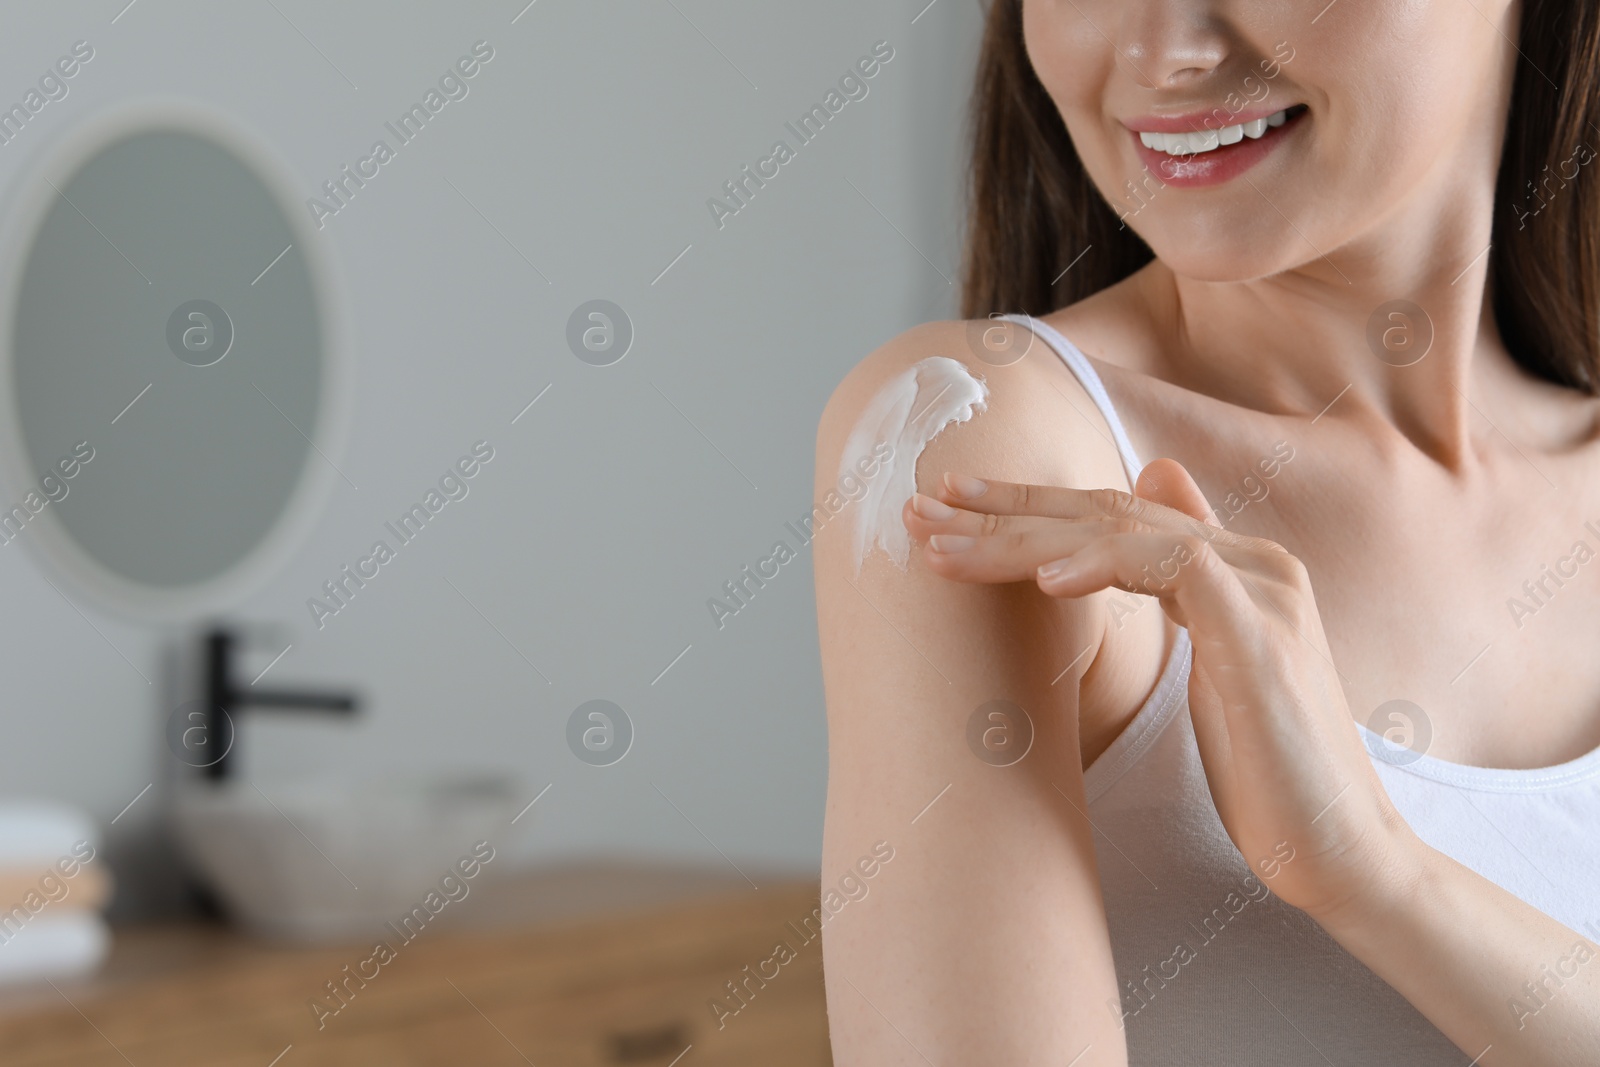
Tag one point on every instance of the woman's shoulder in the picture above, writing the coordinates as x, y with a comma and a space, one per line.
1033, 422
1036, 425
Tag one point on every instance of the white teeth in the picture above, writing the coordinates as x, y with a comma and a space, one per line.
1183, 144
1188, 144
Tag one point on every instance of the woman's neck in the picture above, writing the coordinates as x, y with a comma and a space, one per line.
1327, 337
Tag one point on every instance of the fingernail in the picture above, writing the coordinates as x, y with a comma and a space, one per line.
929, 508
1056, 571
947, 543
966, 486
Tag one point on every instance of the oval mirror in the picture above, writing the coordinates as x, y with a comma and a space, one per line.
172, 369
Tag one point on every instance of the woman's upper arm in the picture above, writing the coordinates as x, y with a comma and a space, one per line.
984, 939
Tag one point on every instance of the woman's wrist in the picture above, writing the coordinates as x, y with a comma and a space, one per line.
1395, 876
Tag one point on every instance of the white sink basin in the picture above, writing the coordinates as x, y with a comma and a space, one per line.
334, 859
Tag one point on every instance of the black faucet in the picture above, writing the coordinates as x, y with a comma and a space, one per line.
223, 695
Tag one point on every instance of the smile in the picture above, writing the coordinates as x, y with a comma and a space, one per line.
1198, 141
1177, 152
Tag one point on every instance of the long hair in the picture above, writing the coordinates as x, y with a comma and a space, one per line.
1033, 212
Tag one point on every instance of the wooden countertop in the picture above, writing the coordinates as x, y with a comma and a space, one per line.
581, 968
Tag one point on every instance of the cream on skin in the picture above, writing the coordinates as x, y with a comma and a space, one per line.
909, 411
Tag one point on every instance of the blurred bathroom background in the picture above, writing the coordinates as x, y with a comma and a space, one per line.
645, 451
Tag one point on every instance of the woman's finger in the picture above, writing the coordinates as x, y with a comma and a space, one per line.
1185, 572
1058, 502
1168, 482
1017, 498
987, 548
974, 547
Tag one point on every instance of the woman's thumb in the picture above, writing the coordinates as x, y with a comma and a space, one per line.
1166, 482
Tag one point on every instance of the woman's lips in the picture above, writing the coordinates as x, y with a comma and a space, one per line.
1220, 164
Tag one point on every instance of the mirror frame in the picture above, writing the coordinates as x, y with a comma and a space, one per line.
25, 207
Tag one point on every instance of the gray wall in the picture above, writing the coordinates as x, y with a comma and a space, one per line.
591, 142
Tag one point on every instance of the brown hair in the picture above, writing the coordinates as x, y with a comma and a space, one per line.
1033, 210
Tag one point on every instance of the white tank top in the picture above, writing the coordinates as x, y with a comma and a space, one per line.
1215, 971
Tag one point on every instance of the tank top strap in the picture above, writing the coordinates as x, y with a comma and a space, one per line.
1089, 378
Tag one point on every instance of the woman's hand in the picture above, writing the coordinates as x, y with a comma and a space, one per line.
1286, 767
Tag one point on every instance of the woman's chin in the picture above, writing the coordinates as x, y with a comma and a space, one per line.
1234, 260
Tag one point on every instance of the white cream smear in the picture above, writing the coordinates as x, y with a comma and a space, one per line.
908, 412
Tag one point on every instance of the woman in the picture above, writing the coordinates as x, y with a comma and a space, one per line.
1150, 801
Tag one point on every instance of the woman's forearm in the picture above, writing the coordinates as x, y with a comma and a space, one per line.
1504, 981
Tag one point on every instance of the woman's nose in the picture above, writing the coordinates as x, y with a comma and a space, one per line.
1167, 45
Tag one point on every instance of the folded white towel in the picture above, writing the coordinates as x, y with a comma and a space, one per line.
62, 944
37, 833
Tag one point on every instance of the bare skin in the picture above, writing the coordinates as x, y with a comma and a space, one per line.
1418, 501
